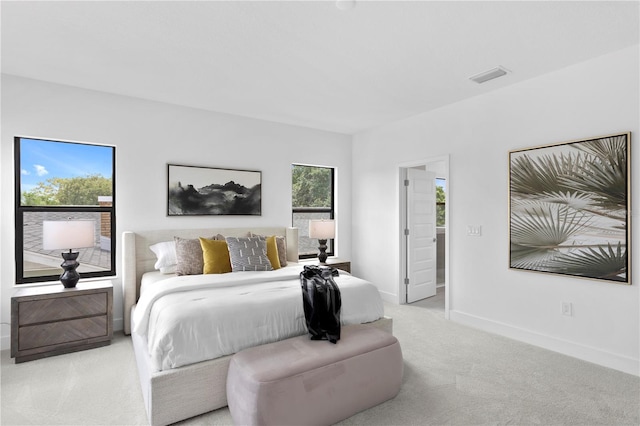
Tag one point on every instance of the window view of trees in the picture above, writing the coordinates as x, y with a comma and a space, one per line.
75, 191
312, 186
441, 199
59, 181
312, 198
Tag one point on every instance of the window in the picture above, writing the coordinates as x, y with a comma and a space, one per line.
58, 181
312, 198
441, 186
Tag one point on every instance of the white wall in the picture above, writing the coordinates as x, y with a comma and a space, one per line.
148, 135
594, 98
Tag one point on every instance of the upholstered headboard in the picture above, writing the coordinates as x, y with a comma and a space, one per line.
137, 258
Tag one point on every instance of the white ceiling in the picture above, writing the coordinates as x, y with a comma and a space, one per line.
306, 63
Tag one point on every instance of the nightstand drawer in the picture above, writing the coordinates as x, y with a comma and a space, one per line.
37, 311
42, 335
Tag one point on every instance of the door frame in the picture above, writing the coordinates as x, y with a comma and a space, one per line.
402, 200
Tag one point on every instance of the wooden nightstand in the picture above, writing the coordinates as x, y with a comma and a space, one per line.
345, 265
52, 320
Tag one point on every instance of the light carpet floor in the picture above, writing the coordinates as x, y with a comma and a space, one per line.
454, 375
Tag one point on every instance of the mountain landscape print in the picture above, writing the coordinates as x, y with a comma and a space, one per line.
212, 191
569, 209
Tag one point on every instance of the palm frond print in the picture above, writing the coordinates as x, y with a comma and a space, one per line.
568, 208
596, 262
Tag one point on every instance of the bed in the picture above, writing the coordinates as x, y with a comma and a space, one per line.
177, 387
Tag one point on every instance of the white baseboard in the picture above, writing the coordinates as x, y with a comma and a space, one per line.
5, 342
389, 297
118, 324
577, 350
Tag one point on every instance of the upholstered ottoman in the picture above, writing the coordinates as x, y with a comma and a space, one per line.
299, 381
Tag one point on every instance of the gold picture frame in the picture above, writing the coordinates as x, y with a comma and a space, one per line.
569, 208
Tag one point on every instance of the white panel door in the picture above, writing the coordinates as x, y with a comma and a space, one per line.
421, 238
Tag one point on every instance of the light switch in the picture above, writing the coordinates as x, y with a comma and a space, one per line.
474, 230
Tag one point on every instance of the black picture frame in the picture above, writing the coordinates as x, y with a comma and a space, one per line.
30, 215
197, 191
569, 208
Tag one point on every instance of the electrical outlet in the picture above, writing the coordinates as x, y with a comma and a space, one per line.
567, 309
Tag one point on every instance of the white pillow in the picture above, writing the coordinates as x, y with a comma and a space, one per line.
169, 269
166, 255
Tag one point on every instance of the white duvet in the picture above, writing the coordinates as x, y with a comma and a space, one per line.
188, 319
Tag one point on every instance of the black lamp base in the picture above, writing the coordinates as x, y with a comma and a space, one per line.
322, 248
70, 276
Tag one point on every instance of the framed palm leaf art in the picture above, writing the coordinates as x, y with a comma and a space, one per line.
569, 208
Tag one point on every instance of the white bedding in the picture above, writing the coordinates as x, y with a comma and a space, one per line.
152, 277
188, 319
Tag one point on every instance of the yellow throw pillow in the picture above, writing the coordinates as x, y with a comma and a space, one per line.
216, 256
272, 252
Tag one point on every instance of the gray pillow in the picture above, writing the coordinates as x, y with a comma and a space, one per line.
248, 254
281, 243
189, 256
282, 250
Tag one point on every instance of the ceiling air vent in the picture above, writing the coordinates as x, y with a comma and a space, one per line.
489, 75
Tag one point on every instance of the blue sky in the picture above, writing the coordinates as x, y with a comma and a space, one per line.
41, 160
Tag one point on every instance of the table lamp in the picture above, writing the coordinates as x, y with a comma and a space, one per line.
322, 229
68, 234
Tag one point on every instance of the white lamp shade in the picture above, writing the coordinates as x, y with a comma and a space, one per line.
322, 229
68, 234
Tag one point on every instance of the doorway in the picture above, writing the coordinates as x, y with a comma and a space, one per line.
440, 167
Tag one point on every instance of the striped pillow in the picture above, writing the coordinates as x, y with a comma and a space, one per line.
248, 254
281, 244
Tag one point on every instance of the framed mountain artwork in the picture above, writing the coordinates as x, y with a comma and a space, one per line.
211, 191
569, 208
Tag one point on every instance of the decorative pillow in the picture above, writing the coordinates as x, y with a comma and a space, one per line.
189, 256
282, 250
248, 254
281, 244
272, 252
215, 255
165, 252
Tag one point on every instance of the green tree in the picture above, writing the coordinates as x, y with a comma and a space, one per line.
440, 206
42, 195
75, 191
311, 186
